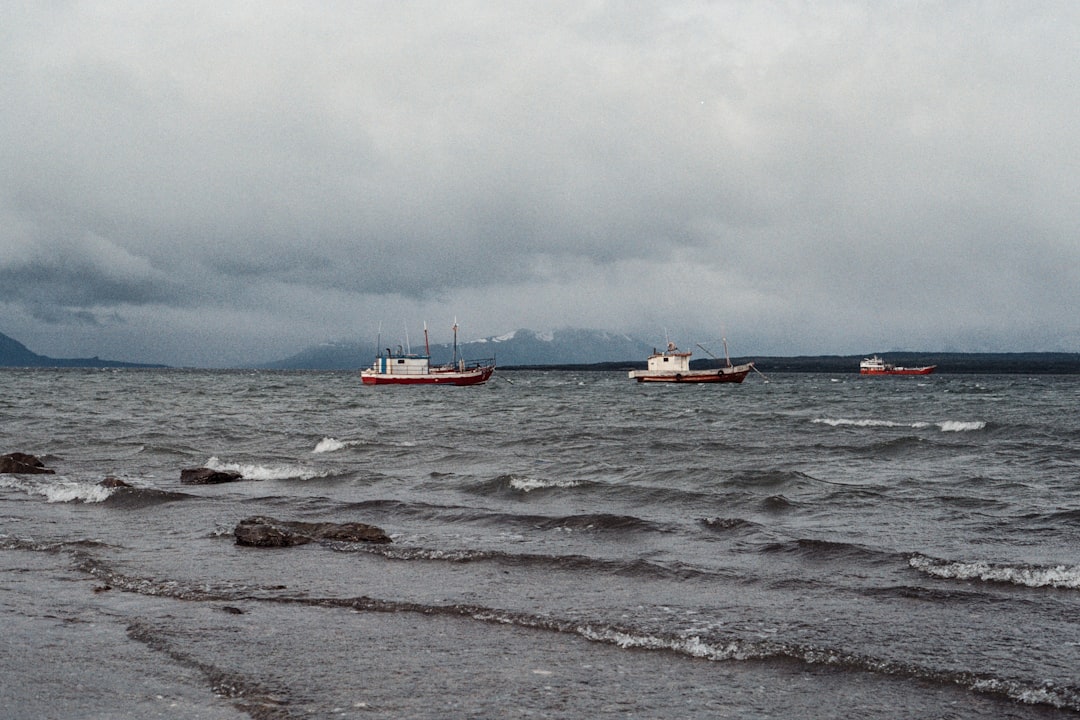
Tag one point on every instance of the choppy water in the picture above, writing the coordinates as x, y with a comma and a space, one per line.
565, 545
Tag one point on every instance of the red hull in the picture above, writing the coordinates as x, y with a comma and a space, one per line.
698, 376
436, 377
901, 371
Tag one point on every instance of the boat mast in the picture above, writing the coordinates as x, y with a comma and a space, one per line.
724, 340
455, 342
427, 347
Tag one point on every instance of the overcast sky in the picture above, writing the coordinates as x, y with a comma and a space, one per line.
207, 183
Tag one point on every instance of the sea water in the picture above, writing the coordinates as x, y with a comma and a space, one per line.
565, 545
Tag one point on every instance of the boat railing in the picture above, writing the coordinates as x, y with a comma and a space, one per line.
483, 362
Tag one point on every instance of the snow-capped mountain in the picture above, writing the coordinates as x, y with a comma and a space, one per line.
520, 347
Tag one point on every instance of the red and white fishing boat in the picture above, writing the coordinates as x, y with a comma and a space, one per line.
673, 366
405, 368
876, 366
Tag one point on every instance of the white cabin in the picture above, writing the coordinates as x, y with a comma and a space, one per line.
671, 360
401, 364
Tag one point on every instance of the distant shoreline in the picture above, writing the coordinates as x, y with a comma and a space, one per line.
948, 363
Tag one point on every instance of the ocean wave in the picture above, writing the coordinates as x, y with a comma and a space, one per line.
715, 647
840, 422
944, 426
725, 524
59, 491
626, 568
515, 483
1033, 576
769, 477
598, 521
329, 444
266, 472
529, 484
961, 425
822, 550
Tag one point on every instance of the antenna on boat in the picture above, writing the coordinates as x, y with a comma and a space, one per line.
427, 347
378, 341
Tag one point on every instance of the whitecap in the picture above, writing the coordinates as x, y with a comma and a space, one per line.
838, 422
59, 491
265, 472
528, 484
328, 444
961, 426
75, 492
1057, 576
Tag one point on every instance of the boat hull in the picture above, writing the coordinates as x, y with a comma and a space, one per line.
899, 371
734, 374
473, 376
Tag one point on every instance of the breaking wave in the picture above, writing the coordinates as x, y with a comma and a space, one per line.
266, 472
713, 647
514, 483
329, 444
60, 491
1033, 576
944, 426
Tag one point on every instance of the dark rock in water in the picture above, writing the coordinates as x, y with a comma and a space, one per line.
208, 476
111, 482
257, 532
18, 462
268, 532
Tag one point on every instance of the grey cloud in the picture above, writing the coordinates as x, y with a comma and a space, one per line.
812, 159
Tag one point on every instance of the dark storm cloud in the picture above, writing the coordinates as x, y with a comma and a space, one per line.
271, 174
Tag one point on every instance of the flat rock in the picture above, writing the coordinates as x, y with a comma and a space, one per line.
18, 462
208, 476
262, 531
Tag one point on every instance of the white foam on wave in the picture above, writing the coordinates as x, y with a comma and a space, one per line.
329, 444
59, 491
528, 484
961, 426
265, 472
944, 426
1058, 576
866, 422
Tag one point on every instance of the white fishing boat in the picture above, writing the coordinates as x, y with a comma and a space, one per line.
406, 368
673, 366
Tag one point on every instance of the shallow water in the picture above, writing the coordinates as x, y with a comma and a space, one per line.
565, 545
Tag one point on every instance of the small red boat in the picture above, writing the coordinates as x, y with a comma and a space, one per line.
404, 368
876, 366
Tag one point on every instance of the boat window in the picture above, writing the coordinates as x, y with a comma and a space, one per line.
401, 361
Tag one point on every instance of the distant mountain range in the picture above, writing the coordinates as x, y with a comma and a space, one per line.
14, 354
521, 347
588, 349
